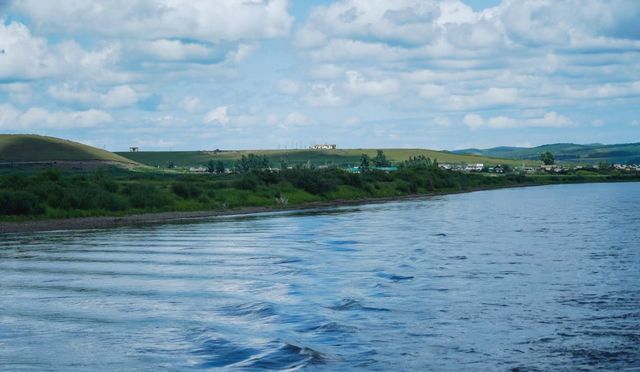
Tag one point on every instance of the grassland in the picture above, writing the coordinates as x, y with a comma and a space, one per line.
338, 157
25, 148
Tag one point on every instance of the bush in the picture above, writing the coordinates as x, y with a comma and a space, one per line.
246, 183
145, 196
19, 203
186, 190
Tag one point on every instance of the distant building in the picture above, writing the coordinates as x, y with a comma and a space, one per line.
133, 149
324, 146
474, 167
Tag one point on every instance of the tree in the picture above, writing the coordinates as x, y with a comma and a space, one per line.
252, 162
547, 158
211, 166
365, 162
381, 160
220, 167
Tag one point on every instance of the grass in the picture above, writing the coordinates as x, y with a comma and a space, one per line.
34, 148
338, 157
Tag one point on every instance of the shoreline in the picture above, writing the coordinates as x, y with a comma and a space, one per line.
105, 222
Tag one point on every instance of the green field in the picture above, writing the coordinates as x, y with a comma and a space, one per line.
21, 148
340, 157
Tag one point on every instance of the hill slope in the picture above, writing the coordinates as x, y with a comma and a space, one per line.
340, 157
569, 152
27, 148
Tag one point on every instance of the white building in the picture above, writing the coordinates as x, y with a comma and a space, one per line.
324, 146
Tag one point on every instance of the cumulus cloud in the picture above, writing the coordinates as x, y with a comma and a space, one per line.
41, 118
548, 120
162, 19
218, 115
116, 97
511, 55
323, 95
177, 50
357, 84
24, 56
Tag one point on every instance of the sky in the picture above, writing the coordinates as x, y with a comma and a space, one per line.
259, 74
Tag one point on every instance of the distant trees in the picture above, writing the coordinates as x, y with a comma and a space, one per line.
211, 166
216, 167
220, 167
419, 161
252, 162
365, 162
381, 160
547, 158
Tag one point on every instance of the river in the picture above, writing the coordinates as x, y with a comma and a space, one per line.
533, 278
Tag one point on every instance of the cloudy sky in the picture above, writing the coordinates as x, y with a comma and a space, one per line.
231, 74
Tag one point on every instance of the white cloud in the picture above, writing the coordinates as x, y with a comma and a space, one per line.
548, 120
241, 52
120, 96
473, 121
191, 104
25, 56
442, 121
295, 118
218, 115
202, 20
41, 118
357, 84
116, 97
176, 50
323, 95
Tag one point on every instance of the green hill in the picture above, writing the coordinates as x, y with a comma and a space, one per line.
567, 152
28, 148
339, 157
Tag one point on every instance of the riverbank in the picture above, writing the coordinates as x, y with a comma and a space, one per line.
105, 222
51, 201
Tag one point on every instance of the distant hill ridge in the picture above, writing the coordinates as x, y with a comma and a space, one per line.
568, 152
31, 148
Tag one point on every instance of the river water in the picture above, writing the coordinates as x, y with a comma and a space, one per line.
533, 278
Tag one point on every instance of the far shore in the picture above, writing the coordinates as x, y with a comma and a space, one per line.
105, 222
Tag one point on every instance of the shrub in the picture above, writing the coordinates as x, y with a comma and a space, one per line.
19, 203
246, 183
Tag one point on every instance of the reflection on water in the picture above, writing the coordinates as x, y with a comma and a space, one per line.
532, 278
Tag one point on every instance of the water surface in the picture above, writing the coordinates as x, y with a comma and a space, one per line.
533, 278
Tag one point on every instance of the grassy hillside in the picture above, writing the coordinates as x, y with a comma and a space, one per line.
33, 148
568, 152
340, 157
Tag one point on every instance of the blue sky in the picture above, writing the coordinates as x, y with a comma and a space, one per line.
187, 75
